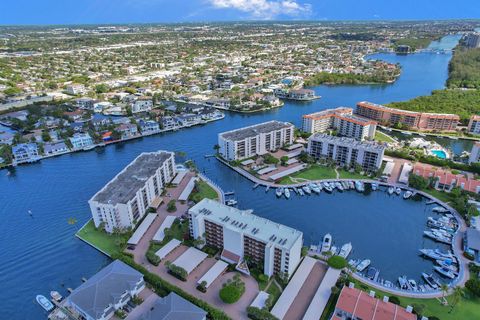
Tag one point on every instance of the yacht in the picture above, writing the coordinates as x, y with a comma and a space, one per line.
438, 236
307, 190
403, 283
413, 284
407, 194
359, 186
345, 250
398, 191
353, 263
372, 273
339, 186
314, 188
436, 254
287, 193
447, 264
431, 281
300, 192
231, 202
440, 210
390, 190
363, 265
319, 185
56, 296
279, 192
351, 184
44, 303
334, 250
327, 187
374, 186
445, 272
327, 242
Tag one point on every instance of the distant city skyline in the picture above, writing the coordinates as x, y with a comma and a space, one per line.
32, 12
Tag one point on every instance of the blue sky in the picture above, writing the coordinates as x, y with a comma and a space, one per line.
144, 11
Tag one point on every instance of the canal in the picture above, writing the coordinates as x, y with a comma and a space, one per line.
39, 253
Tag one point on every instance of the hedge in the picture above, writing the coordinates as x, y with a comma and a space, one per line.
163, 288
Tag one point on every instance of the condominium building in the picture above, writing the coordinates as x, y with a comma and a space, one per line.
414, 120
126, 198
255, 140
241, 234
342, 120
346, 152
474, 124
475, 153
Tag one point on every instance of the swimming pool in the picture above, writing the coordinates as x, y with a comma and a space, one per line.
439, 154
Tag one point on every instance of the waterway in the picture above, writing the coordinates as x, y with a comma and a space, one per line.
39, 253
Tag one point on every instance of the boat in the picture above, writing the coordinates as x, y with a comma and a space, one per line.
430, 202
445, 272
431, 281
300, 192
327, 242
398, 191
345, 185
267, 188
327, 187
390, 190
374, 186
339, 186
334, 250
363, 265
359, 186
388, 284
438, 236
353, 263
307, 190
295, 189
407, 194
56, 296
287, 193
436, 254
447, 264
351, 184
279, 192
413, 284
44, 303
314, 188
319, 185
440, 210
403, 283
231, 202
345, 250
372, 273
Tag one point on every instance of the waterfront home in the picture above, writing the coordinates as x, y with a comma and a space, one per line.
25, 153
346, 152
55, 148
123, 201
99, 120
169, 123
81, 141
342, 120
142, 104
85, 103
188, 120
445, 180
471, 243
98, 107
106, 292
218, 103
148, 126
255, 140
238, 233
74, 115
357, 304
171, 307
127, 130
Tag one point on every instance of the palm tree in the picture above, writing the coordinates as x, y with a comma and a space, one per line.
457, 294
444, 288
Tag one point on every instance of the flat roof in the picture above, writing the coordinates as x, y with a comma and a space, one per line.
287, 172
213, 273
190, 259
260, 300
320, 299
188, 189
266, 170
247, 223
142, 228
280, 308
126, 184
351, 142
406, 169
167, 248
388, 168
473, 238
252, 131
167, 223
179, 177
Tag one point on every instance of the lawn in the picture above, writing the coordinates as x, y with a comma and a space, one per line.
467, 308
314, 172
350, 175
440, 195
382, 137
109, 243
274, 291
203, 190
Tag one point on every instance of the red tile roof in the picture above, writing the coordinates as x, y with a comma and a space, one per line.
445, 177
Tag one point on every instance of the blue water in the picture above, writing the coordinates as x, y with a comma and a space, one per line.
440, 154
40, 253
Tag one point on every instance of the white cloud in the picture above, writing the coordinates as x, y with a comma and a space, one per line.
266, 9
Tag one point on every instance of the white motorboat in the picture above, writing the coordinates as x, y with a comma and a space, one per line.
307, 190
403, 283
436, 254
363, 265
44, 303
314, 188
287, 193
447, 264
413, 284
231, 202
398, 191
440, 210
327, 242
351, 184
300, 192
353, 263
334, 250
438, 236
407, 194
327, 187
56, 296
339, 186
430, 280
345, 250
390, 190
445, 272
374, 186
279, 192
359, 186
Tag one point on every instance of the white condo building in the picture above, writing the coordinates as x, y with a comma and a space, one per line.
346, 151
126, 198
255, 140
240, 234
342, 120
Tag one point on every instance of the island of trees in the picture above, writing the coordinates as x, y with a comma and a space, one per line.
351, 78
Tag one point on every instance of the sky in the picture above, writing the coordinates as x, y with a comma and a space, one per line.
19, 12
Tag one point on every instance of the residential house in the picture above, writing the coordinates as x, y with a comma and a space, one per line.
446, 180
75, 89
142, 104
81, 141
55, 148
149, 126
127, 130
25, 153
